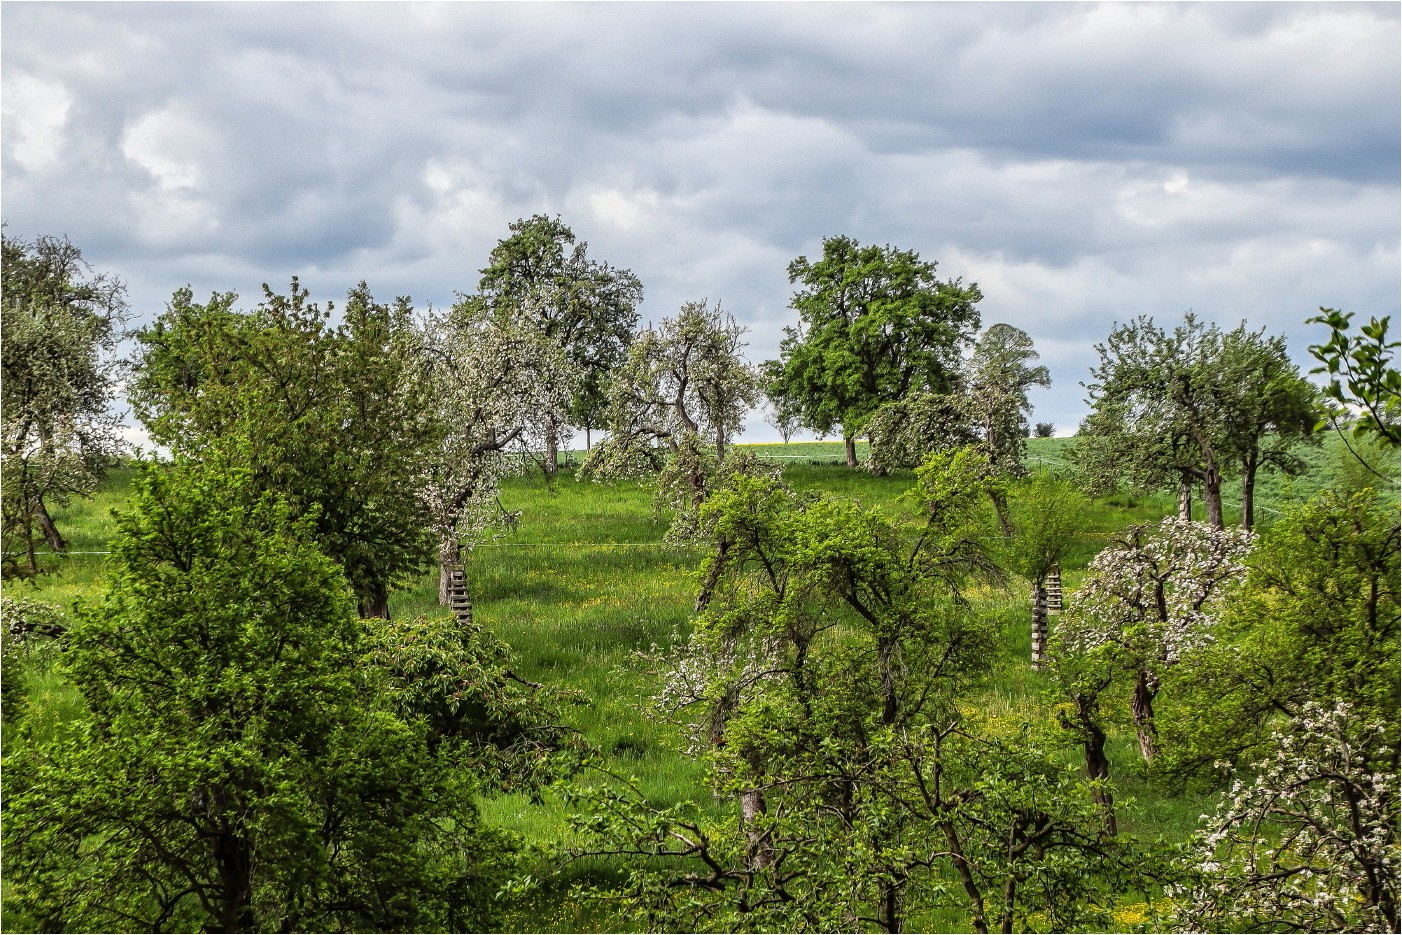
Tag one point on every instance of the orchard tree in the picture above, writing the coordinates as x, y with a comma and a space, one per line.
1316, 622
1308, 840
1149, 599
58, 332
905, 432
338, 419
1187, 406
1046, 518
675, 404
999, 376
822, 687
875, 325
1269, 409
590, 309
240, 768
498, 387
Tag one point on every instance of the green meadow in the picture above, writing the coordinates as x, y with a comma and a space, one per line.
584, 583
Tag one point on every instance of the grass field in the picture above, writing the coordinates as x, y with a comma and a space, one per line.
584, 583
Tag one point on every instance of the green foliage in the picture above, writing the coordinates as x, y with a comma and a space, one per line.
875, 325
457, 682
335, 419
904, 432
1316, 622
1364, 384
822, 685
236, 771
1192, 405
58, 332
1048, 515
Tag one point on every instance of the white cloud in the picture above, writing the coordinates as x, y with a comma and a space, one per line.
157, 142
35, 114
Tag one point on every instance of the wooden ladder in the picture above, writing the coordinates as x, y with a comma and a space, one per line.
1054, 589
459, 601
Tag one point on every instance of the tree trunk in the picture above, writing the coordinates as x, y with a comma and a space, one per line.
1000, 506
708, 586
851, 446
1097, 763
1212, 496
449, 553
1248, 493
46, 522
231, 855
374, 602
588, 439
759, 853
552, 451
1039, 624
888, 913
1185, 499
1141, 706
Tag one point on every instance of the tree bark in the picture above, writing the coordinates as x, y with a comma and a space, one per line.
851, 446
449, 553
46, 522
552, 451
1141, 706
374, 602
231, 854
1185, 499
1000, 506
1212, 496
758, 852
1248, 493
1097, 763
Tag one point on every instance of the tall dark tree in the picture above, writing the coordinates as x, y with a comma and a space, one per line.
334, 417
586, 306
58, 332
875, 324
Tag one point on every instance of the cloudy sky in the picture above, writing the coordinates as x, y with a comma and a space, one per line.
1083, 163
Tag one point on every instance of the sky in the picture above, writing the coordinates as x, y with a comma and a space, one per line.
1084, 164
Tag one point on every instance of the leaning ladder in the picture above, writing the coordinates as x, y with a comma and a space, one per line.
459, 601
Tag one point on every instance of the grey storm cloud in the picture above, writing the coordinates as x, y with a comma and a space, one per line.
1084, 163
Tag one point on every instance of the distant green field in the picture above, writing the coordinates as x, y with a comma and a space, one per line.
584, 582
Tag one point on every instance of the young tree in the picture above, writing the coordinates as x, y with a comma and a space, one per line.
238, 769
590, 309
685, 389
58, 332
874, 326
1045, 518
1151, 597
498, 387
338, 419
